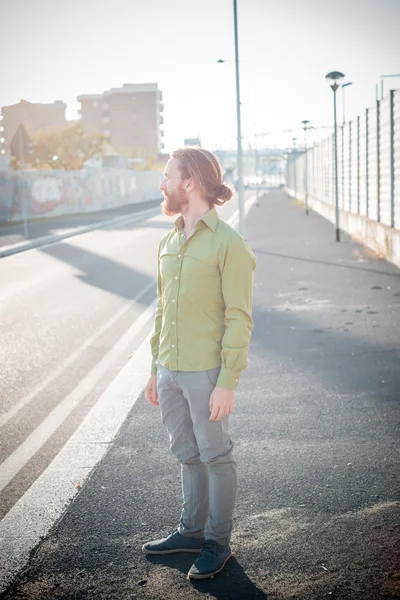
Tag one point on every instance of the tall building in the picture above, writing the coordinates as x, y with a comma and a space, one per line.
33, 116
130, 116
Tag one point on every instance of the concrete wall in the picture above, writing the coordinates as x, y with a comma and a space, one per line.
33, 194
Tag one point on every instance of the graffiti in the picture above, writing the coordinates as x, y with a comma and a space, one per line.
46, 193
34, 193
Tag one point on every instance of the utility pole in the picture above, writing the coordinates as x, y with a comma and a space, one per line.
239, 127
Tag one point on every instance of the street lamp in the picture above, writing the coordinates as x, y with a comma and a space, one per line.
344, 85
334, 79
239, 124
306, 125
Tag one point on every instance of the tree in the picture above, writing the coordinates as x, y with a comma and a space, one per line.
66, 147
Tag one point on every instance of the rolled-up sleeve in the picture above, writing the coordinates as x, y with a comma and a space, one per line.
237, 274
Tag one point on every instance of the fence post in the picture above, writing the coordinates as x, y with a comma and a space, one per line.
391, 121
358, 165
366, 165
378, 160
343, 166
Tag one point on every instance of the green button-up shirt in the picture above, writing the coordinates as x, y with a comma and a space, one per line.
205, 288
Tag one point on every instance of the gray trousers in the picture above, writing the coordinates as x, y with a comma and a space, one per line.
204, 449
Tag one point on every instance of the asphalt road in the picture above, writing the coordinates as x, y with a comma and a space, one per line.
316, 426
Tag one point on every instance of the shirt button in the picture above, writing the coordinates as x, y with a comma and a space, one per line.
173, 322
176, 278
173, 345
173, 300
179, 255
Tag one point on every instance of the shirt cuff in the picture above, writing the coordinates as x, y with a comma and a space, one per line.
153, 366
228, 379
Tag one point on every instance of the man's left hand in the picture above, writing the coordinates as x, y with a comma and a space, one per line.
222, 403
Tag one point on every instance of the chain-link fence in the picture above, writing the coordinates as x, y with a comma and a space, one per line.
368, 166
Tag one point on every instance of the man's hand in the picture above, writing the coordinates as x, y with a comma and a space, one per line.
150, 391
222, 403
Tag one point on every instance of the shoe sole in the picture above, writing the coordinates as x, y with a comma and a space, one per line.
199, 576
176, 550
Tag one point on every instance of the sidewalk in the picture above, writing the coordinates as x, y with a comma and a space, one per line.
316, 431
61, 225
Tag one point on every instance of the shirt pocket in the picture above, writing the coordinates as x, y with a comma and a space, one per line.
200, 279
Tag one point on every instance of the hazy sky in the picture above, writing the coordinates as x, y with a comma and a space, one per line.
56, 50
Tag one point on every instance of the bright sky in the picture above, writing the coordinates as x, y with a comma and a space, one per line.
56, 50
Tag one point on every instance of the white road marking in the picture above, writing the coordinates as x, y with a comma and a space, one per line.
39, 436
5, 417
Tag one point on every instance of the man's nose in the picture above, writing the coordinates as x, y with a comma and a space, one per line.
162, 185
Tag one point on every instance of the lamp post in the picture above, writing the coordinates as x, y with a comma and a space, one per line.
334, 79
239, 126
306, 125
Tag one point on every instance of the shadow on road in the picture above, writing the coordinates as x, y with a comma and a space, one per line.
231, 584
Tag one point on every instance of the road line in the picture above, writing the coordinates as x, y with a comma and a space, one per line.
5, 417
39, 436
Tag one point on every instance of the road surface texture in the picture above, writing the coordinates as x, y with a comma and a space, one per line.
316, 431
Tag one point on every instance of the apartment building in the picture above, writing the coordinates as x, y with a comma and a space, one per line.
131, 116
33, 116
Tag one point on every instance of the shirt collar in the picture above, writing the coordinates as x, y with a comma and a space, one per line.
211, 219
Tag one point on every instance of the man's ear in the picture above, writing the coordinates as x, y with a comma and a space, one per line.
190, 184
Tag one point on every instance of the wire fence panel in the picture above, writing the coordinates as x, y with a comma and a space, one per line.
346, 169
363, 164
353, 176
384, 161
396, 159
372, 164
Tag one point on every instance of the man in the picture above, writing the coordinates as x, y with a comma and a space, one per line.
199, 346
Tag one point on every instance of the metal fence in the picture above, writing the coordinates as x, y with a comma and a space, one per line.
30, 194
368, 165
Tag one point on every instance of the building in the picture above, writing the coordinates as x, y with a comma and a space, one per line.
130, 116
33, 116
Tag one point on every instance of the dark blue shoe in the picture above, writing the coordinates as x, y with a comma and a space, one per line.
211, 561
175, 542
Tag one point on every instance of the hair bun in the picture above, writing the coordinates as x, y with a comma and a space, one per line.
225, 192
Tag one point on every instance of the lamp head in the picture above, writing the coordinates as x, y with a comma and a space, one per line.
305, 124
334, 79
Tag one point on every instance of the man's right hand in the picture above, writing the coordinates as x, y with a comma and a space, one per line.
150, 391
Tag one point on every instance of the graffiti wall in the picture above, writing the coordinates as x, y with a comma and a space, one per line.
33, 194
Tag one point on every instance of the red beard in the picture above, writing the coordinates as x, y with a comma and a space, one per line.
174, 202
